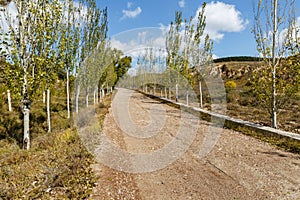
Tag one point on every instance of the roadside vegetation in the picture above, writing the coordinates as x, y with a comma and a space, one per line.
243, 102
264, 90
48, 74
57, 166
43, 156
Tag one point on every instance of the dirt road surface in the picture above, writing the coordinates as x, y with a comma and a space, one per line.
238, 167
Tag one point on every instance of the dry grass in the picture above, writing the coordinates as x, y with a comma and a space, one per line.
57, 166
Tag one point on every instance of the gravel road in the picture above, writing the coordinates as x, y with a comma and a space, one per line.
151, 151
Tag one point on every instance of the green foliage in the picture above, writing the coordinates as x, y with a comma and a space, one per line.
191, 50
272, 88
287, 84
57, 166
4, 2
122, 66
51, 36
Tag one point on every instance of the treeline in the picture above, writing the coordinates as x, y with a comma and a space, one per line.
188, 61
46, 40
238, 59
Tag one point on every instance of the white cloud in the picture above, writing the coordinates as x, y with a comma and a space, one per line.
131, 13
135, 47
135, 42
283, 34
222, 18
181, 3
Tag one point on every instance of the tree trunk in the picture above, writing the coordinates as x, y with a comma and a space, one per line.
166, 95
97, 95
274, 109
176, 92
201, 95
187, 97
77, 99
44, 96
26, 113
68, 95
101, 95
26, 136
94, 93
9, 101
87, 97
48, 111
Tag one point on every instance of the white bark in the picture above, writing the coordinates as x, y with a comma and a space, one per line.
176, 92
274, 109
26, 113
201, 95
77, 99
26, 137
166, 95
94, 93
48, 111
97, 95
103, 94
9, 101
187, 97
68, 95
87, 97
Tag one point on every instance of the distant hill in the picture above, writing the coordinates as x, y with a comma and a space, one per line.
238, 59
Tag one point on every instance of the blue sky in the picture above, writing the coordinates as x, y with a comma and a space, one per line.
228, 21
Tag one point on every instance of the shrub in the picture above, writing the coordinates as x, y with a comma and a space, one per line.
230, 85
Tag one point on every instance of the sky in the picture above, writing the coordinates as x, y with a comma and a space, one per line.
229, 23
134, 24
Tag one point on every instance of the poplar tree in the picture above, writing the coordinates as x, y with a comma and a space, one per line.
274, 31
24, 36
188, 47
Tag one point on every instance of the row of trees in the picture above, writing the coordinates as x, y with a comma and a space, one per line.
44, 39
188, 54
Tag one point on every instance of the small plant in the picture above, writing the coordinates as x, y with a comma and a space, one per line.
230, 85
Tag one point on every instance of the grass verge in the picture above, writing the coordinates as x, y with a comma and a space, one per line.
58, 165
